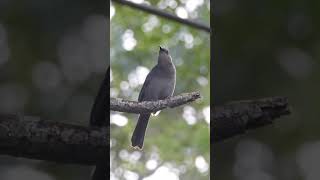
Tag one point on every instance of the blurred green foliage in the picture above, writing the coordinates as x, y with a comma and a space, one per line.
168, 134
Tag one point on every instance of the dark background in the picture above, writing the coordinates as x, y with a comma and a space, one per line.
53, 56
262, 49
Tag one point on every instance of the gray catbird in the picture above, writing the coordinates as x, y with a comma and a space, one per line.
159, 84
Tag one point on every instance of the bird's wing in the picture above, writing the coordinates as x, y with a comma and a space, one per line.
143, 91
146, 85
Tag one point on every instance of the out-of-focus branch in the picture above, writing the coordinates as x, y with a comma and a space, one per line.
164, 14
121, 105
235, 118
32, 138
29, 137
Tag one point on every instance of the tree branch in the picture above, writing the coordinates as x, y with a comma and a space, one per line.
235, 118
161, 13
121, 105
53, 141
32, 138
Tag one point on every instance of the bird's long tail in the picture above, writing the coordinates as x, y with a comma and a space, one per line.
140, 130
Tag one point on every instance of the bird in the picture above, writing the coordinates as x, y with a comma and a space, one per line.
159, 84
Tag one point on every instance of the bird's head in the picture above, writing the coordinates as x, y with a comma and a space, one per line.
163, 50
164, 58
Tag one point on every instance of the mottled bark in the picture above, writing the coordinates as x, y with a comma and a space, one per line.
29, 137
235, 118
52, 141
121, 105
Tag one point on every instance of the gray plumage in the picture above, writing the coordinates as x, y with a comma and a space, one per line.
159, 84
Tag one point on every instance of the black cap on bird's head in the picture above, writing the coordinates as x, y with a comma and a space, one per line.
163, 50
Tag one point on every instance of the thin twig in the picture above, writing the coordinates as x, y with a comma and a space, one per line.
161, 13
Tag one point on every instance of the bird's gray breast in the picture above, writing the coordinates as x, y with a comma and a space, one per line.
160, 85
166, 88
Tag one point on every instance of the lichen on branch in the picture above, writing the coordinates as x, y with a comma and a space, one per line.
121, 105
